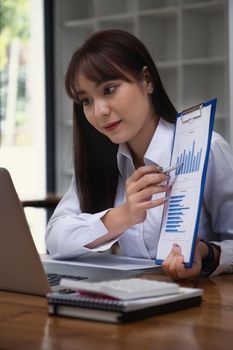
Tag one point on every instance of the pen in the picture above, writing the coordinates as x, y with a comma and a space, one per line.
169, 169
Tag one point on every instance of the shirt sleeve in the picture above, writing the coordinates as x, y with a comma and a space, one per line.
219, 200
69, 230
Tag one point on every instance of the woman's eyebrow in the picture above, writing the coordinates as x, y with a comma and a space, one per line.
81, 92
97, 84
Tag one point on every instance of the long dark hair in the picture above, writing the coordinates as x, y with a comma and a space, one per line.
106, 55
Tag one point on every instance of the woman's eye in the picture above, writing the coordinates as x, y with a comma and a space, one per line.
109, 90
85, 101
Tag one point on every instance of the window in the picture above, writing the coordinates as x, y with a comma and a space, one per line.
22, 104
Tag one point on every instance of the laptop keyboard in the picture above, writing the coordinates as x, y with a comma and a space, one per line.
54, 278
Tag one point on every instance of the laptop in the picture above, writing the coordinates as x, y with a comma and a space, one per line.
22, 269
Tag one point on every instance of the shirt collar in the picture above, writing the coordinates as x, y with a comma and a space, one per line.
160, 147
158, 151
123, 155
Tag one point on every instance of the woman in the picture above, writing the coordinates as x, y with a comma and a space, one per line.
123, 133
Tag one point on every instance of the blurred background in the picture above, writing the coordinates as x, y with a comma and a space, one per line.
191, 42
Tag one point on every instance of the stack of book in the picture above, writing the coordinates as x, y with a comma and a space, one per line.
120, 303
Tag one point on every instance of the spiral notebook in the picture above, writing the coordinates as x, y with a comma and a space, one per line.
102, 309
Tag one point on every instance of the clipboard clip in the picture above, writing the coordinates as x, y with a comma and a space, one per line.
191, 113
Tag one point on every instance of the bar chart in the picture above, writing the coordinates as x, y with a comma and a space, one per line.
190, 159
175, 215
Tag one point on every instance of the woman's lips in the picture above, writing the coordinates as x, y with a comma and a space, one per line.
112, 126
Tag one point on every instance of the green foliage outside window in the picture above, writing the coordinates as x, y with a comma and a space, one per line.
14, 24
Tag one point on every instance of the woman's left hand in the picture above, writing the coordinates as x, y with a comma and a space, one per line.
173, 265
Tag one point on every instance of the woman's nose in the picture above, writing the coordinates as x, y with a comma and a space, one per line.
101, 109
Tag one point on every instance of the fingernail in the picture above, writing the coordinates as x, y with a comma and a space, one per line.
176, 245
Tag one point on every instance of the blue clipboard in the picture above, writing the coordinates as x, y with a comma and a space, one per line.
175, 227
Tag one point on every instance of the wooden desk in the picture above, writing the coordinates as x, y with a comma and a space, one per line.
25, 325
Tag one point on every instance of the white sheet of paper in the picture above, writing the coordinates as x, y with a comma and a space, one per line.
180, 212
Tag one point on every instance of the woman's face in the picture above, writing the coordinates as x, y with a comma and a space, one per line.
121, 110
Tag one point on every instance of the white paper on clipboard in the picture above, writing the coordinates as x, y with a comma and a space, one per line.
182, 211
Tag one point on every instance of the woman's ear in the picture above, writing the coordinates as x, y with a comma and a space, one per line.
147, 80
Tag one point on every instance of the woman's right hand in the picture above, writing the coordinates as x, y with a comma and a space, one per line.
140, 187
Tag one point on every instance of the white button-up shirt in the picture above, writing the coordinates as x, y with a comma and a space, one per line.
69, 230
